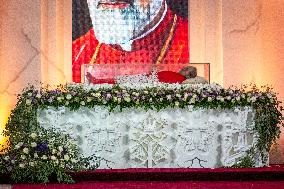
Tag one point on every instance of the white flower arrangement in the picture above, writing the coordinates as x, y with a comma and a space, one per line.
37, 151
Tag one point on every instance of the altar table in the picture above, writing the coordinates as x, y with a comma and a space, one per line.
169, 138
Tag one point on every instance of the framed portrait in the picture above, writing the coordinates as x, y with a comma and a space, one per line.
129, 32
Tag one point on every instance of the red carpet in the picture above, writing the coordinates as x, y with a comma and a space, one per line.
251, 178
161, 185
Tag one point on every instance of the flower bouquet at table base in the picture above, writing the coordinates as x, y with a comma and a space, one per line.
39, 156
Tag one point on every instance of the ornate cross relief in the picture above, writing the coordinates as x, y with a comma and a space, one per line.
148, 146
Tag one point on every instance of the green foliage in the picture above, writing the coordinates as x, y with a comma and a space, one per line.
247, 161
38, 164
35, 154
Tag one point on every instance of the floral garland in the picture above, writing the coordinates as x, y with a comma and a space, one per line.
33, 150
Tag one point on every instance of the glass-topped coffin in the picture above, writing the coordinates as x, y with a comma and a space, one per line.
117, 73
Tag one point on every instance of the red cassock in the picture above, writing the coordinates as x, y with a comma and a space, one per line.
167, 44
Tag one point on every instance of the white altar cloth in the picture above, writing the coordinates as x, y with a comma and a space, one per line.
170, 138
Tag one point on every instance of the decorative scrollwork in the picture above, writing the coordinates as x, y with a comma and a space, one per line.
168, 138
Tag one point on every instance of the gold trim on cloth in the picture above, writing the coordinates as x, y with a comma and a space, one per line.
167, 42
95, 55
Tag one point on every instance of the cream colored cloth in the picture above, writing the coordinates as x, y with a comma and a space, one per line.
196, 80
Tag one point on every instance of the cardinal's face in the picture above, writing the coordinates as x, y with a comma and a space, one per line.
119, 21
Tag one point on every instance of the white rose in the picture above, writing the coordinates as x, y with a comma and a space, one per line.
33, 144
6, 158
66, 157
30, 94
209, 99
238, 98
222, 99
228, 98
53, 151
185, 96
74, 160
26, 150
176, 103
178, 95
192, 101
31, 164
44, 157
23, 157
253, 99
62, 165
66, 103
68, 96
82, 103
38, 95
118, 100
169, 97
28, 102
127, 99
13, 161
269, 95
97, 95
21, 165
89, 99
60, 148
33, 135
53, 158
35, 155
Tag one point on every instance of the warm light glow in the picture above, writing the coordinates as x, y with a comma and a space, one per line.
56, 41
4, 114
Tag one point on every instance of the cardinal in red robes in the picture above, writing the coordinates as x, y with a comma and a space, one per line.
131, 32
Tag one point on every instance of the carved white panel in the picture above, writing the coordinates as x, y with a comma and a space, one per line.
170, 138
